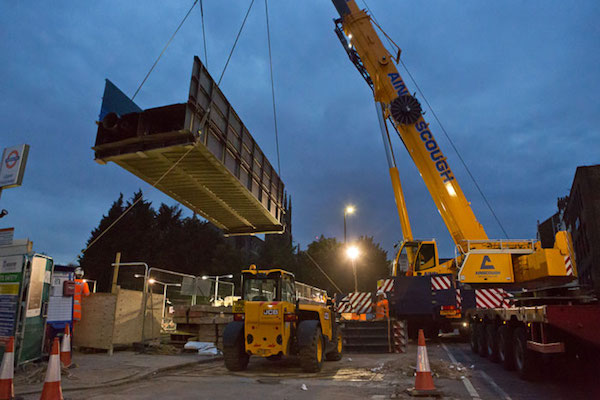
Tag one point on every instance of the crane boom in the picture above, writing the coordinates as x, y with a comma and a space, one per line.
480, 259
391, 92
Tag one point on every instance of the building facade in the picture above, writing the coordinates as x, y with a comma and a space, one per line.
579, 213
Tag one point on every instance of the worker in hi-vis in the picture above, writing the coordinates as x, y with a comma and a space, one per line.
382, 307
81, 287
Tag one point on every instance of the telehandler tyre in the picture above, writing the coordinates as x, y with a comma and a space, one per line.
235, 356
336, 354
311, 353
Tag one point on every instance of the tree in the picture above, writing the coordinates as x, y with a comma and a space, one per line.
371, 265
132, 236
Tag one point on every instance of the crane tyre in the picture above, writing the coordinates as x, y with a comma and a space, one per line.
311, 353
526, 361
473, 337
505, 348
491, 341
481, 340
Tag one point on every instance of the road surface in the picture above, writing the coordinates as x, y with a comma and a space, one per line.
458, 374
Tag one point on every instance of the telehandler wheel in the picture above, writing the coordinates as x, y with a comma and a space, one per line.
336, 354
505, 348
527, 362
311, 354
235, 356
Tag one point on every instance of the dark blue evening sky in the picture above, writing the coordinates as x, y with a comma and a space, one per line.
516, 84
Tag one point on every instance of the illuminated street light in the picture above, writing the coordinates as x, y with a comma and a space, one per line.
349, 210
353, 252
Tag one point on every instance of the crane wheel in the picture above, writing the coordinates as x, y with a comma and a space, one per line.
481, 342
312, 353
527, 362
336, 354
505, 348
473, 341
491, 341
235, 356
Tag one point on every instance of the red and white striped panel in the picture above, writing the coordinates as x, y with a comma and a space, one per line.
359, 303
492, 298
508, 300
385, 285
458, 299
400, 336
440, 283
569, 266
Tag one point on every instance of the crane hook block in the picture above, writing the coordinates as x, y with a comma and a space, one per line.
406, 109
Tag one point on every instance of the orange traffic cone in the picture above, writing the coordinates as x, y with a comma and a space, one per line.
65, 348
52, 390
7, 389
423, 381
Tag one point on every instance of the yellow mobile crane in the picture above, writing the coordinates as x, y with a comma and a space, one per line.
480, 260
546, 316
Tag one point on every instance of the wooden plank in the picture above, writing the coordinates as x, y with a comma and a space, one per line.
95, 329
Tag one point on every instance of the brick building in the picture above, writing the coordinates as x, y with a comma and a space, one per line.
579, 213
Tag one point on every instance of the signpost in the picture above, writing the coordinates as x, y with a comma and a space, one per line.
12, 166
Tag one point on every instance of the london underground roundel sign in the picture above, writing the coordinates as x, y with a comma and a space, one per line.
12, 165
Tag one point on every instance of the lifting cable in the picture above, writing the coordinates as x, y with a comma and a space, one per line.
393, 44
324, 273
163, 50
203, 35
273, 89
202, 123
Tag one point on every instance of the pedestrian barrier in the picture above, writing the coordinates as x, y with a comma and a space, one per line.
7, 389
52, 389
423, 380
400, 334
65, 348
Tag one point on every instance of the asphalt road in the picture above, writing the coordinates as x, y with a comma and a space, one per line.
560, 378
458, 374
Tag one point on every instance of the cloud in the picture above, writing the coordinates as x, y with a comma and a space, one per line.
515, 84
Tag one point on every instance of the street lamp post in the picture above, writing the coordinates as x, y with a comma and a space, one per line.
347, 211
352, 252
165, 285
216, 278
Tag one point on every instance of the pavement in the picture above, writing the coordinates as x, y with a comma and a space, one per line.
99, 370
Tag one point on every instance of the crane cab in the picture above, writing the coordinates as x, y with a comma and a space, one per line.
419, 257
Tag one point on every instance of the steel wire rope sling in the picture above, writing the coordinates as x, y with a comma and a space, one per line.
463, 162
272, 88
202, 122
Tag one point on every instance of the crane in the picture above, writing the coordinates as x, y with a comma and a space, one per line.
479, 259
